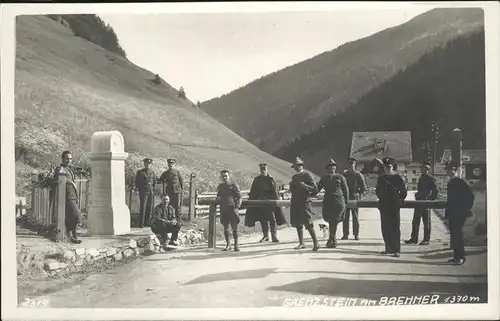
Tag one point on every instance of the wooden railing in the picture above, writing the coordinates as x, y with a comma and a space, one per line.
213, 204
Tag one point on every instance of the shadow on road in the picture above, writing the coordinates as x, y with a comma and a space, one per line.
386, 274
386, 260
375, 289
449, 253
231, 276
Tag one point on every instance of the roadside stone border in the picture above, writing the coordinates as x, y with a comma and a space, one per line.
61, 259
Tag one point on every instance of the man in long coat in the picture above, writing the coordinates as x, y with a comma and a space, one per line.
357, 186
334, 201
426, 190
72, 211
264, 188
145, 181
302, 187
173, 186
229, 197
459, 202
391, 192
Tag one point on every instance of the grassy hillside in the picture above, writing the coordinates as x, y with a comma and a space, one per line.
276, 109
446, 86
67, 88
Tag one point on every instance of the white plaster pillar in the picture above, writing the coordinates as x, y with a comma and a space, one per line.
108, 211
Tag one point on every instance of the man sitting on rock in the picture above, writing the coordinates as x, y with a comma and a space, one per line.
164, 221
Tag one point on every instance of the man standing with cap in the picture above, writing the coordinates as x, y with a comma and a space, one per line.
302, 188
335, 200
264, 188
229, 197
426, 190
459, 202
173, 185
357, 186
145, 181
391, 193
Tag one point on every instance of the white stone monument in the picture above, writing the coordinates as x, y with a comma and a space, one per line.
108, 211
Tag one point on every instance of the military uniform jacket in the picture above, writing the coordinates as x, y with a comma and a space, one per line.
173, 181
162, 212
302, 187
460, 199
355, 182
71, 192
145, 179
229, 196
426, 188
264, 188
390, 190
336, 196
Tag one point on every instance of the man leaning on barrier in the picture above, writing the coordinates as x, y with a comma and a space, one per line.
72, 211
164, 220
426, 190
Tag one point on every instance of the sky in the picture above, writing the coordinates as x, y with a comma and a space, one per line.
211, 54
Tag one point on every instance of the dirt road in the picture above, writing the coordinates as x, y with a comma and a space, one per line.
277, 275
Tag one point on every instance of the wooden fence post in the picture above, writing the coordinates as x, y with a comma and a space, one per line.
60, 204
456, 149
212, 217
192, 197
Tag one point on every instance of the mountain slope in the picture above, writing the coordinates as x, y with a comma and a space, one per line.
446, 86
300, 97
67, 88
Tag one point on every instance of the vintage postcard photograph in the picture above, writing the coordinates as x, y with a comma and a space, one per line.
250, 160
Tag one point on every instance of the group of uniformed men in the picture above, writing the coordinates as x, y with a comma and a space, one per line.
339, 189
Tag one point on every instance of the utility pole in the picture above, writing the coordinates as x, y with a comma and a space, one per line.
435, 139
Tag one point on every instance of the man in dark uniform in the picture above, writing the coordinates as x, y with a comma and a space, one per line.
173, 186
229, 197
145, 181
72, 211
391, 193
334, 201
302, 187
264, 188
426, 190
357, 186
459, 202
164, 221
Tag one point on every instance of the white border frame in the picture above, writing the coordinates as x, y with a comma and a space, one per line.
445, 312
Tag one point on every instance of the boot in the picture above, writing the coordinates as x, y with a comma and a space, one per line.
235, 236
76, 240
332, 242
274, 236
228, 243
265, 231
300, 234
312, 232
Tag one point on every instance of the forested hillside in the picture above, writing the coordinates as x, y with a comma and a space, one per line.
446, 86
274, 110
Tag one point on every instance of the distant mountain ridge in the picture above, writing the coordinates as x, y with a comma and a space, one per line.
273, 111
445, 86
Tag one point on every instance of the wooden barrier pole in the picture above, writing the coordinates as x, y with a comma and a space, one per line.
212, 217
60, 204
192, 196
456, 149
